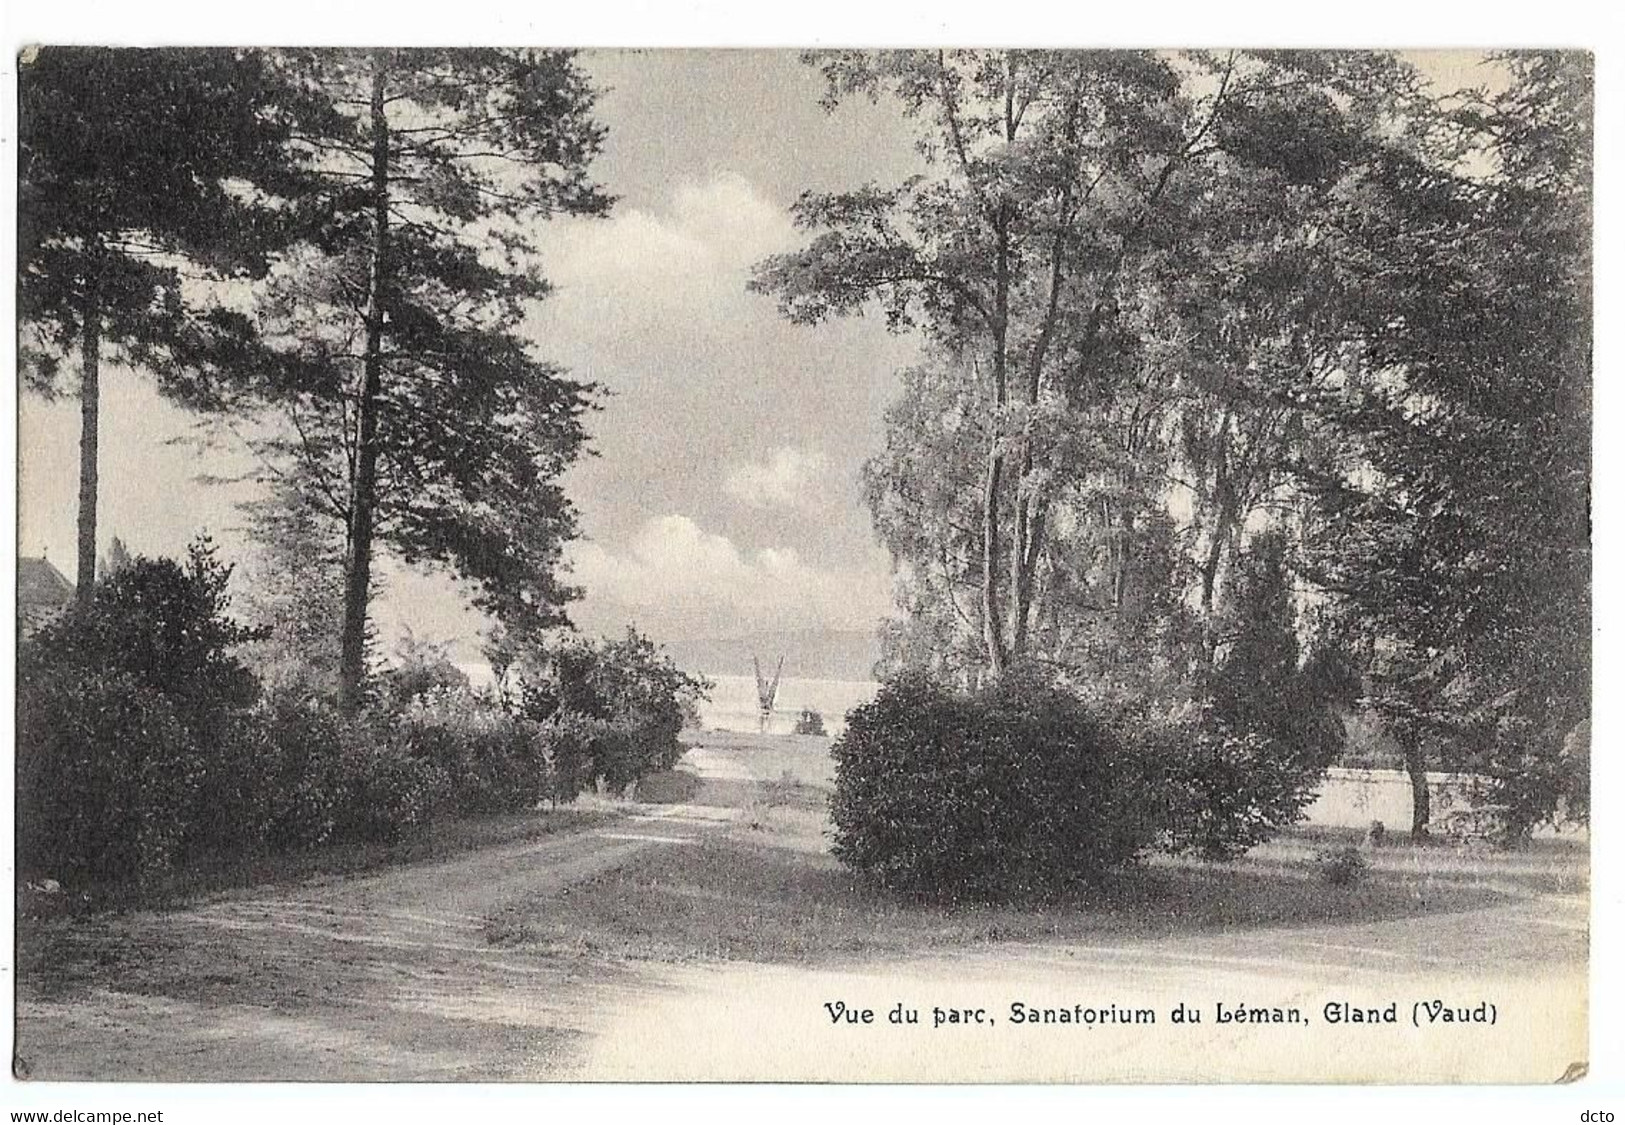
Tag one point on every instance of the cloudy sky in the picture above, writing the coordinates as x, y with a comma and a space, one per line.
723, 498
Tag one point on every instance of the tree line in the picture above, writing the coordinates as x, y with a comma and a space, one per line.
1250, 381
1265, 367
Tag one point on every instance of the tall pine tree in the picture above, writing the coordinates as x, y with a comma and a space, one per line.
415, 406
139, 170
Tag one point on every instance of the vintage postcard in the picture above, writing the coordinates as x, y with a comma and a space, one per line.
885, 566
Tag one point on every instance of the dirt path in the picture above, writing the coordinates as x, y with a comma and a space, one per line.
381, 976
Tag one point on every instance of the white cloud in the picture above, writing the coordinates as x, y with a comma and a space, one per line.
729, 216
674, 572
699, 251
789, 478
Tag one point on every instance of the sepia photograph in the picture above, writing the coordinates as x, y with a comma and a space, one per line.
803, 565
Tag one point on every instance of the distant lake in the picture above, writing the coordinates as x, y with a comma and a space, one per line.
733, 703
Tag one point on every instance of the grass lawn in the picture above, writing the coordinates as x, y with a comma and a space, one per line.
735, 898
766, 889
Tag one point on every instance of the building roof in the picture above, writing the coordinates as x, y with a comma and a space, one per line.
40, 583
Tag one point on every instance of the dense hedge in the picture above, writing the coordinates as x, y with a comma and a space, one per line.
491, 761
1012, 792
143, 742
106, 772
113, 784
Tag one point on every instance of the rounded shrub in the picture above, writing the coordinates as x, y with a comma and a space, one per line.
1227, 789
1340, 867
106, 774
492, 761
623, 702
565, 742
164, 625
1012, 792
811, 722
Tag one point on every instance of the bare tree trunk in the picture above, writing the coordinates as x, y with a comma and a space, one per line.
90, 356
1019, 531
1416, 766
991, 628
992, 620
358, 566
1224, 515
1116, 529
1030, 546
1210, 574
1210, 577
1031, 509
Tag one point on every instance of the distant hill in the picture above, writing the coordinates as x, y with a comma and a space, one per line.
808, 654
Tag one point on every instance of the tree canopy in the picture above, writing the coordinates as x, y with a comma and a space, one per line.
414, 407
142, 176
1454, 523
1174, 302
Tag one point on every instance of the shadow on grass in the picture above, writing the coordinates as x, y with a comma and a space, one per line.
1542, 866
290, 955
217, 873
740, 899
669, 787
